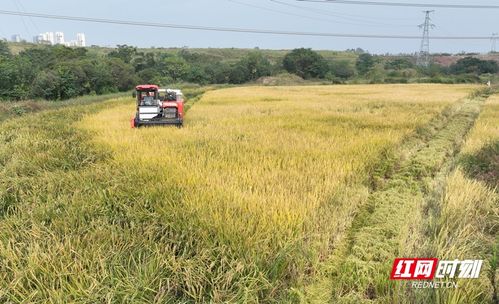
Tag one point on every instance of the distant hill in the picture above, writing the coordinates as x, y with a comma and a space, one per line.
221, 54
448, 60
231, 55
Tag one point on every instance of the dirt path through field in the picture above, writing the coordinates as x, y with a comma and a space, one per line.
359, 268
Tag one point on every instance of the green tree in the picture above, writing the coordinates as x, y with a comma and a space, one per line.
40, 57
75, 79
238, 74
197, 74
399, 64
219, 72
124, 52
67, 80
190, 56
175, 67
123, 75
376, 74
99, 78
471, 65
16, 76
46, 85
341, 69
7, 78
149, 75
64, 53
256, 65
144, 61
364, 63
433, 70
4, 50
305, 63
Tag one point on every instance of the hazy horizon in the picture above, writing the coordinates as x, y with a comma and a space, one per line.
282, 15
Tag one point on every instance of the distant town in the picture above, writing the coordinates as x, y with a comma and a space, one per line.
53, 38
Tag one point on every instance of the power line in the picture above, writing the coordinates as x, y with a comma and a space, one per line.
335, 14
401, 4
234, 30
22, 19
356, 18
285, 13
30, 19
355, 21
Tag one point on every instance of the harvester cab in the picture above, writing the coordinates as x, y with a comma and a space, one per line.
157, 106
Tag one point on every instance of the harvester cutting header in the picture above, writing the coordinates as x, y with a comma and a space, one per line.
157, 106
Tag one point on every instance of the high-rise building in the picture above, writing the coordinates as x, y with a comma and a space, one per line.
50, 37
59, 38
16, 38
80, 40
44, 38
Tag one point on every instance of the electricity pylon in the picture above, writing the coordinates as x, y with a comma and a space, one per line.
424, 52
493, 42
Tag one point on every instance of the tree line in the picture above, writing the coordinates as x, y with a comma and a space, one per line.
59, 72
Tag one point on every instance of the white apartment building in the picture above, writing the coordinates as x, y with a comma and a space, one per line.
80, 40
50, 37
16, 38
44, 38
59, 38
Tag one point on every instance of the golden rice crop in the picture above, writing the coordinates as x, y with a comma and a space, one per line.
278, 171
241, 205
469, 222
486, 128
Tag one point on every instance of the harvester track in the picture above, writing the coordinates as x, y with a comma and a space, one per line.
360, 266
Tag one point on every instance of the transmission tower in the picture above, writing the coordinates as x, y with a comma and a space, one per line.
493, 42
424, 52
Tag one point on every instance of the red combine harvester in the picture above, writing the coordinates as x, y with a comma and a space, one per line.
157, 106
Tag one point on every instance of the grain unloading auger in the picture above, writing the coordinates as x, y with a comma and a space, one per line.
157, 106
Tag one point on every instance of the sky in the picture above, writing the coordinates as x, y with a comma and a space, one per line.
256, 14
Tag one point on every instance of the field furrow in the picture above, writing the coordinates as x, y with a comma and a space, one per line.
381, 230
461, 218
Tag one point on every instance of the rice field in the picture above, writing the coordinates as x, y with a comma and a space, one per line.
247, 203
469, 222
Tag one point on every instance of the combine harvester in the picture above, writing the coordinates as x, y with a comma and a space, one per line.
157, 106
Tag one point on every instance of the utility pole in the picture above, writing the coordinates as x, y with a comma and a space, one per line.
424, 52
493, 42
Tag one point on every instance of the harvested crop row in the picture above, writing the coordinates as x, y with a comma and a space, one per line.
380, 231
462, 221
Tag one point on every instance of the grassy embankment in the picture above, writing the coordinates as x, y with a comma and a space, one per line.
12, 109
242, 204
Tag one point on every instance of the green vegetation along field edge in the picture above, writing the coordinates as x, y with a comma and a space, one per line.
13, 109
10, 109
59, 73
